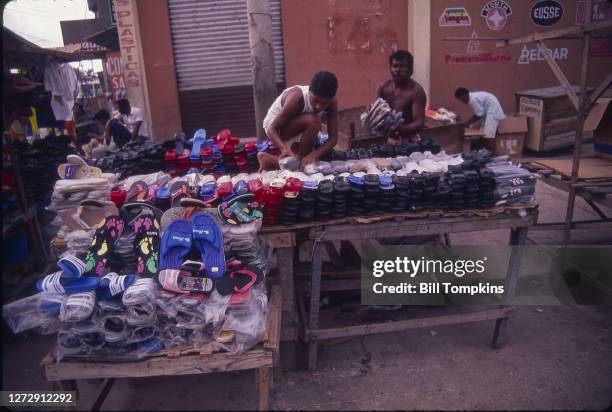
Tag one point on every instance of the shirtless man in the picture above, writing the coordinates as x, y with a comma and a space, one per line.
405, 95
293, 121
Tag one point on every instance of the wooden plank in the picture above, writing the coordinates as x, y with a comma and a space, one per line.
584, 225
263, 382
285, 277
552, 34
590, 167
599, 91
184, 365
280, 239
274, 320
558, 73
424, 227
363, 330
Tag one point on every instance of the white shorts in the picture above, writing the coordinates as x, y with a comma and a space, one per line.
489, 127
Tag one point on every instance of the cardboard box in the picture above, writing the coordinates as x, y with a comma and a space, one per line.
599, 121
510, 138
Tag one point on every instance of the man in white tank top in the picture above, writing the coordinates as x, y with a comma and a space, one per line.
293, 121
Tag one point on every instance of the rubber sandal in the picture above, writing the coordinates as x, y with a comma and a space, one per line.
69, 343
72, 266
208, 240
142, 314
76, 160
142, 334
178, 190
195, 267
137, 191
146, 245
141, 291
77, 171
237, 210
112, 285
176, 244
199, 137
57, 283
181, 281
152, 345
78, 307
133, 210
239, 280
115, 327
104, 240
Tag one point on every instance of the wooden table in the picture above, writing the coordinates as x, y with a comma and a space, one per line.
175, 362
517, 219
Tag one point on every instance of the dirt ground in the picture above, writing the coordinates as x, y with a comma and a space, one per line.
554, 358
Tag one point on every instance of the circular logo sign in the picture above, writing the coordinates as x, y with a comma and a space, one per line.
496, 14
546, 13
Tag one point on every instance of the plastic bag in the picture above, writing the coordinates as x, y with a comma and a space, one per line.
214, 308
29, 313
248, 322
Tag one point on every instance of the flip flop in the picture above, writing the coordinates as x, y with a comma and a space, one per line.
78, 307
223, 138
59, 283
178, 190
198, 139
239, 280
72, 266
141, 291
112, 285
240, 209
142, 314
146, 245
175, 244
208, 239
88, 215
195, 267
132, 210
115, 327
138, 191
76, 160
104, 240
77, 171
181, 281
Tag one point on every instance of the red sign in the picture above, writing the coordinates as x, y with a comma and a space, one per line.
115, 74
601, 47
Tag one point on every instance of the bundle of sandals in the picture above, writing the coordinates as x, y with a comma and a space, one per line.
380, 119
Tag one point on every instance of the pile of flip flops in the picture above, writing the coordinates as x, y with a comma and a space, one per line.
149, 279
133, 158
79, 181
215, 155
405, 148
380, 119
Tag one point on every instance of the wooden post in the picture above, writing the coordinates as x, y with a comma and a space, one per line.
583, 99
262, 60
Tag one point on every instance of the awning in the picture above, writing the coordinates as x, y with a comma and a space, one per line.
84, 51
107, 38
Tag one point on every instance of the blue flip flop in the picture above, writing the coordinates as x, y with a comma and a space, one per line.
197, 141
208, 240
59, 283
72, 266
175, 244
112, 285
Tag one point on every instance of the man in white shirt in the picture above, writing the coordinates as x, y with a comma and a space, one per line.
486, 109
133, 119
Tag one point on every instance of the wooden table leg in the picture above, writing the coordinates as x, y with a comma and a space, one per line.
106, 387
315, 295
263, 375
518, 236
289, 316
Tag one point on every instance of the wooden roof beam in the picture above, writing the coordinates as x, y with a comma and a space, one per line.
556, 33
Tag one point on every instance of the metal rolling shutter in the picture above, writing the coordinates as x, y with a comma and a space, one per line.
211, 52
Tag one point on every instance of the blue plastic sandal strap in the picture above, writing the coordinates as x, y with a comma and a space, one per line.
52, 283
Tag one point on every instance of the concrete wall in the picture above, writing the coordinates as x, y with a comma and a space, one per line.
350, 38
505, 76
158, 61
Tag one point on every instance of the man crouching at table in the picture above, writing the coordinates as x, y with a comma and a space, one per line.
293, 121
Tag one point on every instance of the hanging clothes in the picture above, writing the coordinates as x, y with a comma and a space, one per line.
61, 81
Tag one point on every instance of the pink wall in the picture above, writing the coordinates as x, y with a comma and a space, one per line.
363, 34
159, 68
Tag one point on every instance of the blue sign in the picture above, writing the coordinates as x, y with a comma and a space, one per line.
546, 13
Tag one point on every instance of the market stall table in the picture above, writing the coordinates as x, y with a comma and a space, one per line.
174, 362
517, 218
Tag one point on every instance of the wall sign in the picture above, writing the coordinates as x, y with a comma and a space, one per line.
531, 55
602, 10
454, 16
115, 74
477, 58
546, 13
495, 13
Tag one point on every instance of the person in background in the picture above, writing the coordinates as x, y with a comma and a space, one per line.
293, 122
19, 125
133, 119
404, 94
112, 130
486, 108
